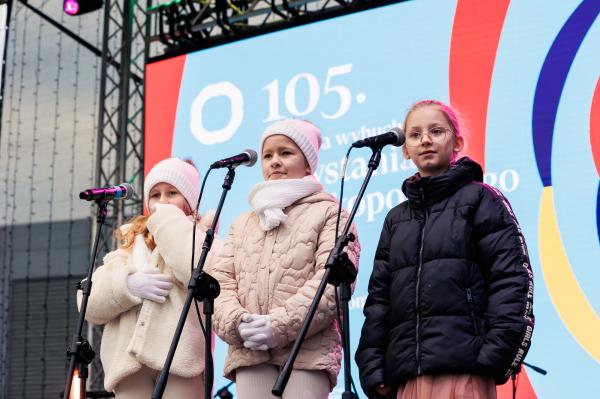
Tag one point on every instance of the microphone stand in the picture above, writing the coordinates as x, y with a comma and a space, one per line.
338, 271
80, 352
204, 288
223, 392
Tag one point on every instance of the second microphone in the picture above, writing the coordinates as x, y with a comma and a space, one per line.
246, 158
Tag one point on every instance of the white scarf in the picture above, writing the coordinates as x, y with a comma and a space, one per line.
141, 253
268, 198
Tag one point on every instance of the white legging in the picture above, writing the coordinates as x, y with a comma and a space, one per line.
141, 385
256, 382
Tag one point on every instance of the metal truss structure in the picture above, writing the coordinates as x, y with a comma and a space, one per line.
120, 140
185, 25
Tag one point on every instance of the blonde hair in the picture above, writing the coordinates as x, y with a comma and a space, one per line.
138, 226
452, 115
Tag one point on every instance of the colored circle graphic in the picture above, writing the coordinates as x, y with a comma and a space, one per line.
566, 294
595, 145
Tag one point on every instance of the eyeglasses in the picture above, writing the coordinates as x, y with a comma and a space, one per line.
436, 134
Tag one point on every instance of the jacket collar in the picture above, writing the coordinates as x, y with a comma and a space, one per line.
421, 191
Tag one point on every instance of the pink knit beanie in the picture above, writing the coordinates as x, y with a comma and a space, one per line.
306, 136
180, 174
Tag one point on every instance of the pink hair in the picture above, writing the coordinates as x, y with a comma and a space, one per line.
452, 116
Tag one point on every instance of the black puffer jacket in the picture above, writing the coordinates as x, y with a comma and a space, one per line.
451, 289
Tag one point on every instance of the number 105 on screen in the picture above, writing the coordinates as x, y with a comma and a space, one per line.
280, 97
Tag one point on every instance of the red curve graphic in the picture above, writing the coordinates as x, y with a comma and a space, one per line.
475, 36
595, 127
163, 81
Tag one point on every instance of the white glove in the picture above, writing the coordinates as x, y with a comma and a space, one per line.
158, 206
257, 333
149, 284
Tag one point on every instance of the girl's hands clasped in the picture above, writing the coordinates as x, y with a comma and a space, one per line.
257, 333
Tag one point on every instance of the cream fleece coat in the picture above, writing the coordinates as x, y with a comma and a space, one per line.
277, 273
139, 332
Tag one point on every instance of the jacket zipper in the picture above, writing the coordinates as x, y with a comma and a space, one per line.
417, 296
472, 310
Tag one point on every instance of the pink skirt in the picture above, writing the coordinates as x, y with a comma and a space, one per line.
455, 386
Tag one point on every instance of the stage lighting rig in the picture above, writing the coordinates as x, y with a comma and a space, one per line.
78, 7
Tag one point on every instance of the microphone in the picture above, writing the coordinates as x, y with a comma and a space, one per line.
394, 137
122, 191
248, 158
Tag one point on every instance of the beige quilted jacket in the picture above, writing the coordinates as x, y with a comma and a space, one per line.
277, 273
139, 332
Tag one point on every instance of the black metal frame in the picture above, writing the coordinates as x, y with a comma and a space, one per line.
120, 136
188, 26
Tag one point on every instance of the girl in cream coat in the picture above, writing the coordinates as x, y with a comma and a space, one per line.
270, 268
139, 291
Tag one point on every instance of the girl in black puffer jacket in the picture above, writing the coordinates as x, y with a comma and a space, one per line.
449, 310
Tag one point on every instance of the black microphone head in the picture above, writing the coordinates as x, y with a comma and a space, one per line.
129, 191
253, 157
399, 134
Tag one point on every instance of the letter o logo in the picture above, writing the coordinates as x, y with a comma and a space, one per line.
236, 100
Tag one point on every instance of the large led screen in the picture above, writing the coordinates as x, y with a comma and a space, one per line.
524, 74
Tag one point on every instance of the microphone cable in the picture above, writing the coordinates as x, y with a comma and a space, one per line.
339, 320
344, 164
193, 255
337, 298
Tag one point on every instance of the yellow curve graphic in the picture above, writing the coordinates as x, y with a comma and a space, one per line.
567, 296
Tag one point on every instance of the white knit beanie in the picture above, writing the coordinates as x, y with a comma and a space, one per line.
306, 136
180, 174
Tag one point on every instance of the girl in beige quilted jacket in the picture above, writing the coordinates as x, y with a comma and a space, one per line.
270, 268
138, 292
